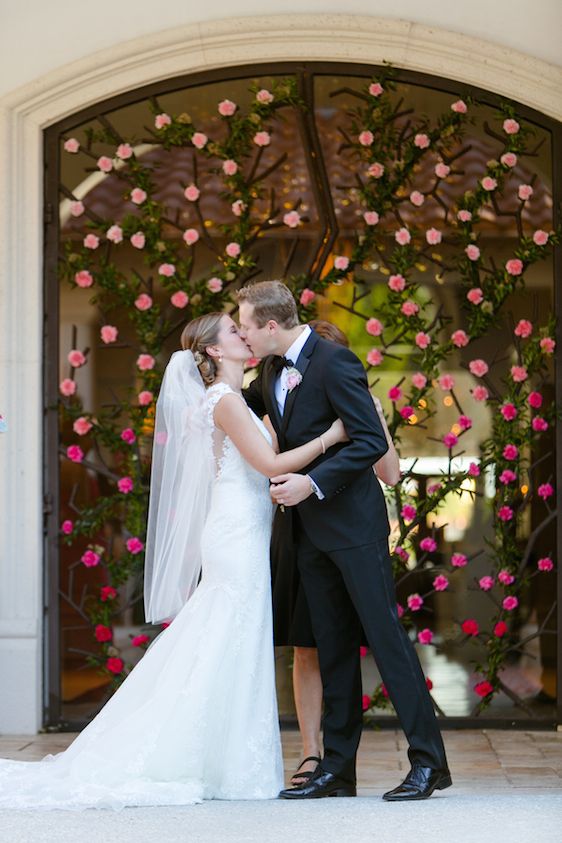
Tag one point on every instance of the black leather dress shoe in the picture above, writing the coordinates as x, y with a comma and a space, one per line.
419, 784
321, 784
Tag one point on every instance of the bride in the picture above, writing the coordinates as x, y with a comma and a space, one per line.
197, 717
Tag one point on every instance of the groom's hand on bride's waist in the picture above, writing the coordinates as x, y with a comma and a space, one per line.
290, 489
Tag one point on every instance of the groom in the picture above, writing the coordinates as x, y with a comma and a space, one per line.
337, 514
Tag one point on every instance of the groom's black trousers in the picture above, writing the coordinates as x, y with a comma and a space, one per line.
341, 586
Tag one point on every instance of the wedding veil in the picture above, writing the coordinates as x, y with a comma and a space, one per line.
180, 486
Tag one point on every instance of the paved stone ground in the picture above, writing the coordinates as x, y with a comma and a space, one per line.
507, 787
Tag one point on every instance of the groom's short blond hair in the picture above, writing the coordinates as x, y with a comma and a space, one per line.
271, 300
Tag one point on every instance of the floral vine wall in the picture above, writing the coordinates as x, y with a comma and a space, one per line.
160, 263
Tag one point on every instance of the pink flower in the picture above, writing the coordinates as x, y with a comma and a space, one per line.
376, 170
341, 263
407, 411
539, 424
102, 633
143, 302
145, 398
459, 338
545, 564
509, 159
145, 362
505, 513
162, 120
510, 452
442, 170
128, 435
402, 236
134, 545
440, 583
470, 627
474, 470
90, 559
484, 689
363, 652
374, 357
478, 368
472, 252
395, 393
83, 278
408, 512
507, 476
459, 560
475, 295
138, 240
233, 250
419, 380
525, 191
417, 198
421, 140
77, 209
115, 234
428, 544
500, 629
105, 164
480, 393
190, 236
396, 283
463, 215
365, 702
82, 426
214, 285
124, 151
230, 167
505, 577
138, 195
540, 237
547, 345
67, 387
366, 138
519, 373
488, 183
179, 299
140, 640
535, 400
238, 207
511, 126
375, 89
409, 308
433, 236
115, 665
264, 96
108, 333
307, 297
192, 193
425, 636
415, 602
446, 382
227, 108
199, 140
450, 440
374, 327
545, 491
459, 107
510, 603
514, 266
125, 485
76, 358
166, 269
292, 219
486, 583
371, 217
71, 145
465, 423
91, 241
107, 592
508, 411
524, 328
67, 527
403, 555
262, 138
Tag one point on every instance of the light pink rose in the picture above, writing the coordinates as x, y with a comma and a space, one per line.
535, 400
71, 145
262, 138
138, 240
480, 393
67, 387
77, 209
227, 108
233, 250
341, 263
125, 485
459, 107
486, 583
90, 559
229, 167
505, 577
374, 327
545, 564
124, 151
75, 453
463, 215
514, 266
91, 241
402, 236
446, 382
422, 339
374, 357
138, 195
525, 191
292, 219
488, 183
395, 393
510, 126
83, 278
419, 380
214, 285
192, 193
442, 170
510, 603
145, 362
376, 170
417, 198
440, 583
415, 602
421, 140
128, 435
472, 252
508, 411
371, 217
524, 328
547, 345
450, 440
145, 397
509, 159
293, 379
510, 452
475, 295
539, 424
397, 283
409, 308
460, 338
238, 207
433, 236
134, 545
115, 234
264, 96
199, 140
425, 636
76, 358
366, 138
82, 426
507, 476
190, 236
108, 333
143, 302
375, 89
162, 120
540, 237
478, 367
459, 560
179, 299
307, 297
105, 164
167, 270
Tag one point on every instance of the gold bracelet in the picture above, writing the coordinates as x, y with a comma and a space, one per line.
322, 444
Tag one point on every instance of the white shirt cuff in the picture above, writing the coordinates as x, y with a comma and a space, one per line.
315, 488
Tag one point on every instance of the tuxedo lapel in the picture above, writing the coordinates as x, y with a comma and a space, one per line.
302, 365
271, 400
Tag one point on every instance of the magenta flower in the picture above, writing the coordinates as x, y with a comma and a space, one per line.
90, 559
486, 583
505, 513
415, 602
75, 453
545, 564
407, 411
510, 452
539, 424
67, 527
474, 470
510, 603
115, 665
395, 393
428, 544
450, 440
134, 545
408, 512
505, 577
128, 435
535, 400
470, 627
103, 633
507, 476
107, 592
484, 689
402, 554
500, 629
125, 485
465, 423
140, 640
425, 636
545, 491
459, 560
365, 702
440, 583
374, 327
508, 411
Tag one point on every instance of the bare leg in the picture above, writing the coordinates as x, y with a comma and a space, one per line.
307, 686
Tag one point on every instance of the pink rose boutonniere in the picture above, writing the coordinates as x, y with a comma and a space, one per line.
294, 378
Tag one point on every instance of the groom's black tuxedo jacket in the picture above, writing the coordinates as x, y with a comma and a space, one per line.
334, 384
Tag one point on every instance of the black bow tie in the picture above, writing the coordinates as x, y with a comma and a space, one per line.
280, 363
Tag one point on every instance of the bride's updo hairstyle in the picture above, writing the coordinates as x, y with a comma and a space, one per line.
196, 337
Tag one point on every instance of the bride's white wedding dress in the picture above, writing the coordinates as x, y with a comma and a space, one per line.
197, 717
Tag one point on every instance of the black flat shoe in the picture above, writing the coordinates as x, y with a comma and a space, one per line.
419, 784
306, 775
319, 785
